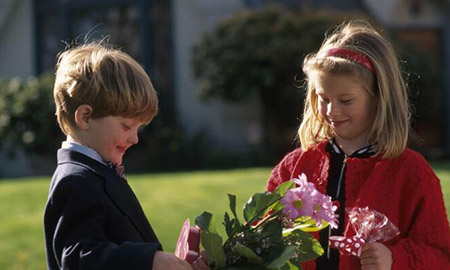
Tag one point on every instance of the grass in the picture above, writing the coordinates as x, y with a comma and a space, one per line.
167, 198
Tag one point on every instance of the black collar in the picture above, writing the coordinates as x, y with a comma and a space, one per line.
363, 152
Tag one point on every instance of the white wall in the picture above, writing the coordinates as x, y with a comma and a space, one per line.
397, 13
233, 126
16, 60
16, 38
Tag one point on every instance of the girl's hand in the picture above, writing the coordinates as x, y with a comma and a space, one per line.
375, 256
201, 263
164, 261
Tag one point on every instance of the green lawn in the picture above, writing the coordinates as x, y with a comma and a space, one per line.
167, 198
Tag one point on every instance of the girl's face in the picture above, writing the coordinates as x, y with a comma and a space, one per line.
348, 107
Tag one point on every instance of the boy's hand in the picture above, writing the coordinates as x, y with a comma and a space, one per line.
375, 256
201, 263
164, 261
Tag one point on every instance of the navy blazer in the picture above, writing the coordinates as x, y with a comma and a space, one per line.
93, 220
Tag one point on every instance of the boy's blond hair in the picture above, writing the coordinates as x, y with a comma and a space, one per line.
108, 80
390, 129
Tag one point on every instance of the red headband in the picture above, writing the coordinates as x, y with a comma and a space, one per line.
353, 56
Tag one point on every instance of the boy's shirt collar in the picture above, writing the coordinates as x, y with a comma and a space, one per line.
82, 149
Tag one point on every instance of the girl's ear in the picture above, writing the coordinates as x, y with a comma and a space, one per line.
83, 116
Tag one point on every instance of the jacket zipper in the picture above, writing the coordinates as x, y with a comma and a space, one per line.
341, 175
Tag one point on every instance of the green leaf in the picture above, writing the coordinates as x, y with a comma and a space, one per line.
290, 266
284, 187
232, 199
237, 224
310, 247
248, 253
212, 243
306, 225
211, 240
273, 229
287, 253
228, 223
246, 266
206, 222
256, 206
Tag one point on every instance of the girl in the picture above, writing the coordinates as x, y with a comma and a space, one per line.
353, 147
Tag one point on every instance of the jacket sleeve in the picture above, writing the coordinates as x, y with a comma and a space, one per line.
427, 244
283, 171
79, 241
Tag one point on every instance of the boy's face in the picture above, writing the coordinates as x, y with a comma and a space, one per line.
111, 136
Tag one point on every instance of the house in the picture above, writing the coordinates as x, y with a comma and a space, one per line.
32, 32
427, 24
160, 35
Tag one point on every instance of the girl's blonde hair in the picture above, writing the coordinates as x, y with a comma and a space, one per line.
108, 80
390, 129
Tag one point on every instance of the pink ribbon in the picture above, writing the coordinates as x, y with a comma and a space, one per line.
188, 244
369, 225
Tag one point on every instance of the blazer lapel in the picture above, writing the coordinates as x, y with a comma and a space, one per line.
125, 199
117, 189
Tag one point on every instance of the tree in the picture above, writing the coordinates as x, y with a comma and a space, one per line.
258, 54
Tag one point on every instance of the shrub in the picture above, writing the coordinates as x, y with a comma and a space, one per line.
258, 54
27, 115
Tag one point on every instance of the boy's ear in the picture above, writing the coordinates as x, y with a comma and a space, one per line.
83, 116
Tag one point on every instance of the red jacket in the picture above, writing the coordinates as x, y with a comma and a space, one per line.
405, 189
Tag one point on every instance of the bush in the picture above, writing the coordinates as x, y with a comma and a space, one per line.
258, 54
27, 115
28, 121
169, 149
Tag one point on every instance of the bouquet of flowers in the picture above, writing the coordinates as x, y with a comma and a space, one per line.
274, 234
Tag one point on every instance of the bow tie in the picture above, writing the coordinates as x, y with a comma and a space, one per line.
120, 170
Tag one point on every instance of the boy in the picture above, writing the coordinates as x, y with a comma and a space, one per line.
92, 218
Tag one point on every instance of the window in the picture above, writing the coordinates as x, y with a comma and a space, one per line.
141, 28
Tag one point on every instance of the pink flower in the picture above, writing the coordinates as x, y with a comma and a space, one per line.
302, 181
298, 202
306, 200
324, 211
